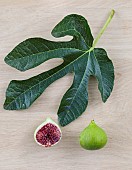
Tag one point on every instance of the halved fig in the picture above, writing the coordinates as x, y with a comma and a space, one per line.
48, 133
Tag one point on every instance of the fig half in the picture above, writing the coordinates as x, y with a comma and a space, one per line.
48, 133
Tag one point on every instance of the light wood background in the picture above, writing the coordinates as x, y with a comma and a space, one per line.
18, 151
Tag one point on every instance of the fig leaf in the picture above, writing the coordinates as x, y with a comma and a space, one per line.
79, 56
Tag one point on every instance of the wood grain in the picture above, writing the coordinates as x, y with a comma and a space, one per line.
18, 151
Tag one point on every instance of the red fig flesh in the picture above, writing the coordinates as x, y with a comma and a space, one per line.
48, 133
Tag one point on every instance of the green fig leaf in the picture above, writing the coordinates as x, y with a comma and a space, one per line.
34, 51
78, 57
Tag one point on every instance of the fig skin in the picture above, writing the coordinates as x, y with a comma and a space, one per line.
48, 121
93, 137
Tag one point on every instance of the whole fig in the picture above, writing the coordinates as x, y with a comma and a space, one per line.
93, 137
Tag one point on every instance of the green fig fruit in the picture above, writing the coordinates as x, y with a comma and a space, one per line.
93, 137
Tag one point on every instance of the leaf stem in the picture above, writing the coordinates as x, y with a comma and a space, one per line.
103, 29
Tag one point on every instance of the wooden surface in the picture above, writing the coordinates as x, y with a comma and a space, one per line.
18, 151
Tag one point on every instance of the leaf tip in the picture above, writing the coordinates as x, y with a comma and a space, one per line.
6, 60
104, 99
54, 33
5, 106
